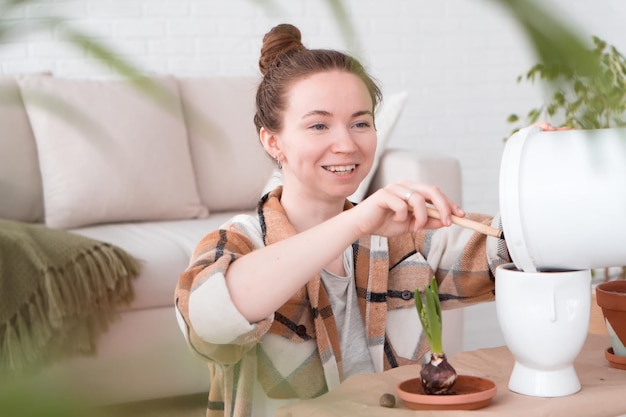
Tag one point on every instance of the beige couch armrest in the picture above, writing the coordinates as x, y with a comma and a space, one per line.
440, 170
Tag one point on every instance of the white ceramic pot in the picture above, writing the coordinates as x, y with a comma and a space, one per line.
563, 198
544, 318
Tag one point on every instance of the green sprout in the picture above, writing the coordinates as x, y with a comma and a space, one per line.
437, 375
429, 311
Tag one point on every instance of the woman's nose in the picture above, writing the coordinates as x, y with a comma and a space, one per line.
344, 141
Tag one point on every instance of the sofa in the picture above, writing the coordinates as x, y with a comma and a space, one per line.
150, 167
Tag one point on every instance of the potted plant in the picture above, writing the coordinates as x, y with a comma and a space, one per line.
437, 375
439, 387
580, 101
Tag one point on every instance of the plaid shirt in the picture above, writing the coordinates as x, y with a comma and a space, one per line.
387, 272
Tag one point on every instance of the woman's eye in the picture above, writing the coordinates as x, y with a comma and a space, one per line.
318, 126
362, 125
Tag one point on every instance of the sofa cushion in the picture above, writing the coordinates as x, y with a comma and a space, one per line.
109, 153
230, 163
163, 248
20, 180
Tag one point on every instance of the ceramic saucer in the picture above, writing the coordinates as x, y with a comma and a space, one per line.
615, 361
468, 393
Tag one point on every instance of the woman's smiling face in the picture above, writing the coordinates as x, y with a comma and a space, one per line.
328, 140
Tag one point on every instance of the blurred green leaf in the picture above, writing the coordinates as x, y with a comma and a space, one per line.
512, 118
20, 398
555, 43
345, 25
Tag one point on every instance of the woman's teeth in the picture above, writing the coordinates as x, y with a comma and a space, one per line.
340, 168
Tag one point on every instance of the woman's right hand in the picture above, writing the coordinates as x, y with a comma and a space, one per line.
401, 207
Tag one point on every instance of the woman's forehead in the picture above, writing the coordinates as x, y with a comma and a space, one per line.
329, 89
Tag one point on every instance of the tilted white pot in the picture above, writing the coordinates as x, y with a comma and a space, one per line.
563, 198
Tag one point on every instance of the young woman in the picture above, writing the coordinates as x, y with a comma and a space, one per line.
287, 303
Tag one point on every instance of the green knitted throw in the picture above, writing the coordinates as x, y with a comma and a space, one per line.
58, 293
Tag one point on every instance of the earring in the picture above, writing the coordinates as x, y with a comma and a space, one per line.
279, 163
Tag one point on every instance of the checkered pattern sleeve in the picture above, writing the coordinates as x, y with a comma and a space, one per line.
212, 325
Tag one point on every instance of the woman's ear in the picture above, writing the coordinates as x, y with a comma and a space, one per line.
269, 142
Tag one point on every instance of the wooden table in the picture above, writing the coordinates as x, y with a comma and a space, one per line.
603, 392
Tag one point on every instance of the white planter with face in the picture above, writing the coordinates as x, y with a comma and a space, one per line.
544, 317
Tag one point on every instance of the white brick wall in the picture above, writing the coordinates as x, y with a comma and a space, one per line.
458, 59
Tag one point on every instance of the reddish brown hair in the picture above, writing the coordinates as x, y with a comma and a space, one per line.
285, 60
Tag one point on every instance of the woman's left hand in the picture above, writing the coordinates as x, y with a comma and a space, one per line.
547, 127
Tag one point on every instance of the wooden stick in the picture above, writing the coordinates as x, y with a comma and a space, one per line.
469, 224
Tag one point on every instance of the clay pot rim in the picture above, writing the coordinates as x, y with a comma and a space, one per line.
611, 296
617, 288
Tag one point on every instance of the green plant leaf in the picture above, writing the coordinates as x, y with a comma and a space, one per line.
429, 311
512, 118
584, 100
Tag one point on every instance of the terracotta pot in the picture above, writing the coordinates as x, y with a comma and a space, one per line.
611, 297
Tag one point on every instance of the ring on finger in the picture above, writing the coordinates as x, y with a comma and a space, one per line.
408, 195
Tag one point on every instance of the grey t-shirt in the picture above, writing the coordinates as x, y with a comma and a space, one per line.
352, 337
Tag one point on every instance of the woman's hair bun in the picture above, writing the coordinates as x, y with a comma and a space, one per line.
280, 40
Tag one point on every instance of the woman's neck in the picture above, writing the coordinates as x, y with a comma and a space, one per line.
304, 211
